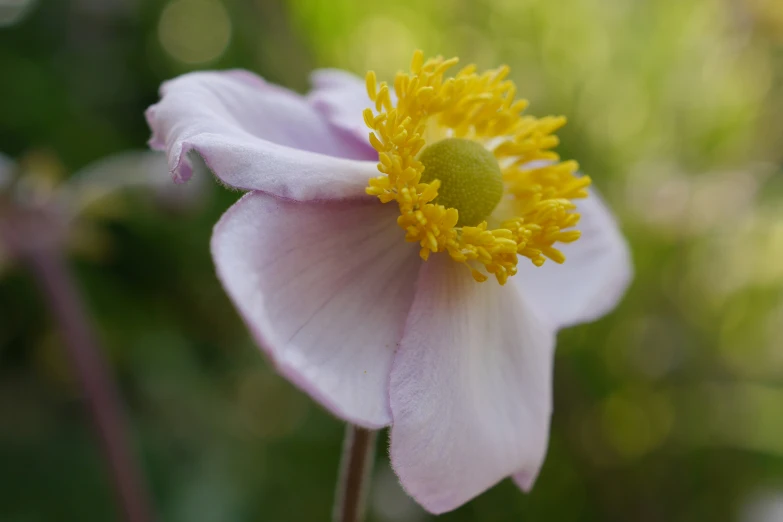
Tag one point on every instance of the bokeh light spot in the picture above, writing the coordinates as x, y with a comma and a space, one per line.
636, 422
195, 31
14, 11
383, 54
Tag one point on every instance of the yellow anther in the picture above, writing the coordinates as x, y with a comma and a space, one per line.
372, 85
369, 118
375, 142
417, 61
480, 109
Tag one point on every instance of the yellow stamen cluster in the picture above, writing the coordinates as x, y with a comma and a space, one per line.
536, 210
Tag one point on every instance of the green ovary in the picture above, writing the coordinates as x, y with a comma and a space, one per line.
470, 178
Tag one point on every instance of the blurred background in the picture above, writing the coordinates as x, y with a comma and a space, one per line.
670, 409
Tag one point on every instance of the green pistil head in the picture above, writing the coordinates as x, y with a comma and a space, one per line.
470, 178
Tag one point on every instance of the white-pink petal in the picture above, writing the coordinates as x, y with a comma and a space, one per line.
325, 288
257, 136
594, 277
470, 388
341, 97
126, 171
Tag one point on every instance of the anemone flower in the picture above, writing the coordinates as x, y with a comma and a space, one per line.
69, 210
415, 278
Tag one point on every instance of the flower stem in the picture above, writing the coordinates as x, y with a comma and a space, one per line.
355, 469
62, 297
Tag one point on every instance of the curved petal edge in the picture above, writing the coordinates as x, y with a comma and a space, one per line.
324, 288
595, 276
257, 136
470, 388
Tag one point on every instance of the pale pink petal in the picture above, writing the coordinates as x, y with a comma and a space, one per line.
525, 480
257, 136
325, 288
470, 388
594, 277
341, 97
103, 180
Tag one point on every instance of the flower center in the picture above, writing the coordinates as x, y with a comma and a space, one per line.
447, 188
471, 180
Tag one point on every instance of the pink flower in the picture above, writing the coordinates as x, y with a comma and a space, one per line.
357, 283
39, 210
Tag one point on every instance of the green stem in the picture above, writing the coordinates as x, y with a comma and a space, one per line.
355, 470
62, 297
